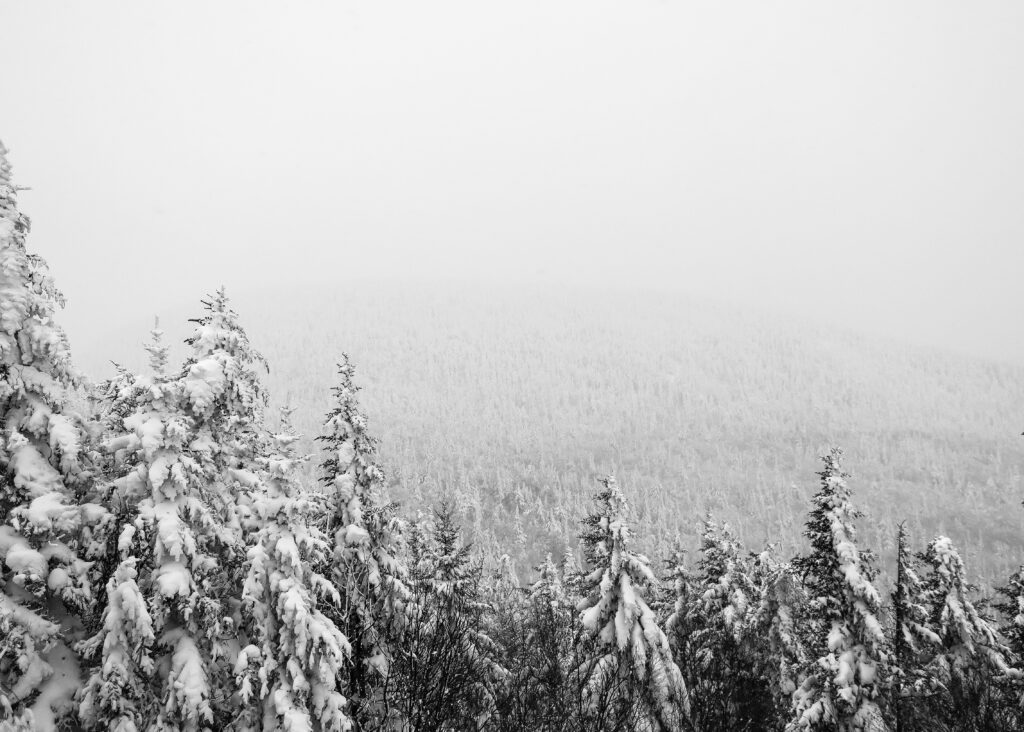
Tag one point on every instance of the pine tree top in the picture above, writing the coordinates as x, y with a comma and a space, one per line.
605, 531
157, 349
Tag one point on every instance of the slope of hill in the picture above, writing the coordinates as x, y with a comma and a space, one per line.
515, 400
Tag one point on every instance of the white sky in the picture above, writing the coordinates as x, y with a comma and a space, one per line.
857, 161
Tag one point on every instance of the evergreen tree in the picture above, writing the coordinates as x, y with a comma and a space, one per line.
366, 564
118, 694
539, 652
847, 643
44, 492
297, 654
725, 687
630, 680
1012, 608
777, 620
967, 661
189, 457
912, 684
224, 396
446, 669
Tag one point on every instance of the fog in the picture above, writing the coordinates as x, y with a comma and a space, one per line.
857, 163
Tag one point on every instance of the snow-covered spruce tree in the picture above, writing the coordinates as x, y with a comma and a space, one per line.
534, 631
723, 655
224, 395
190, 453
776, 621
847, 647
912, 684
1011, 606
445, 671
289, 673
549, 644
43, 486
167, 557
630, 680
968, 663
366, 563
118, 693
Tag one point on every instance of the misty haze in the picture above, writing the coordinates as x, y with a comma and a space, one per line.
448, 366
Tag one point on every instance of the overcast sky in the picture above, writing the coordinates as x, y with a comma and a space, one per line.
857, 161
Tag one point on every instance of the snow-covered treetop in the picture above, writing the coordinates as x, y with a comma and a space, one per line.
848, 649
548, 587
221, 378
39, 446
630, 644
34, 353
349, 464
835, 566
911, 615
607, 536
614, 570
727, 589
449, 555
157, 349
954, 617
41, 469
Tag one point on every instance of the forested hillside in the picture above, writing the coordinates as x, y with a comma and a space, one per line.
513, 400
174, 558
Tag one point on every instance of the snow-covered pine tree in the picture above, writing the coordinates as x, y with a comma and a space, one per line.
367, 567
1012, 608
776, 621
952, 617
847, 647
43, 485
153, 673
630, 680
681, 579
118, 692
967, 660
572, 577
117, 695
290, 670
911, 637
535, 633
445, 667
189, 458
225, 397
725, 685
550, 638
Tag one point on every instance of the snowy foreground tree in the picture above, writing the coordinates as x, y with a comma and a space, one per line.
367, 566
911, 636
716, 643
964, 659
847, 642
43, 486
297, 654
189, 458
631, 681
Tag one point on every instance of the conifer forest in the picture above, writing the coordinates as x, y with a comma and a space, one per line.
175, 555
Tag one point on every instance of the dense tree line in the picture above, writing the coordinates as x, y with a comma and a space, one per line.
166, 564
513, 399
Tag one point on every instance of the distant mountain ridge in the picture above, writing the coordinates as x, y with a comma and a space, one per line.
514, 400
